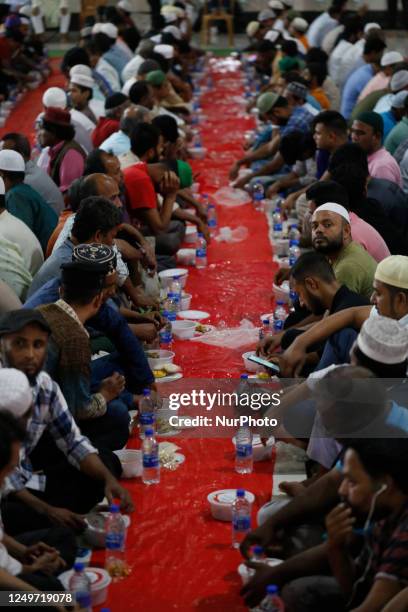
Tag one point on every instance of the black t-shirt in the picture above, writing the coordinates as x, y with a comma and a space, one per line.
373, 213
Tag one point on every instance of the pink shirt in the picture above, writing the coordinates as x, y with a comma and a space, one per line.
366, 235
379, 81
382, 165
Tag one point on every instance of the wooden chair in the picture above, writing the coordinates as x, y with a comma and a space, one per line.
219, 14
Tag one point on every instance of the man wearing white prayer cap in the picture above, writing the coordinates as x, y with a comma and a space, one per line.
167, 51
15, 392
80, 93
389, 299
116, 56
331, 235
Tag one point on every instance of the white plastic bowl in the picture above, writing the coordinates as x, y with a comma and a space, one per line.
95, 528
250, 366
281, 293
281, 247
183, 329
99, 579
166, 276
186, 301
186, 257
246, 572
193, 315
163, 357
191, 234
221, 503
259, 451
131, 461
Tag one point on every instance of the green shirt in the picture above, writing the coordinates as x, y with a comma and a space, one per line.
355, 268
24, 202
368, 103
398, 133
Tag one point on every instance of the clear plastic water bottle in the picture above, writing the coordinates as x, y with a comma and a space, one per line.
151, 463
197, 142
294, 252
212, 219
277, 223
258, 554
171, 305
115, 533
146, 412
292, 299
175, 287
265, 330
166, 333
272, 601
258, 196
244, 460
205, 201
80, 587
241, 518
279, 316
201, 251
294, 233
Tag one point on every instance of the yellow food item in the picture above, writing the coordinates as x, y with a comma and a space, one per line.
159, 373
262, 375
201, 328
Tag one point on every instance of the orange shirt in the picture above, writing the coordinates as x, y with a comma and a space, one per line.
321, 97
54, 236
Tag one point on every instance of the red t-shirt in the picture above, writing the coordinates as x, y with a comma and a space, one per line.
139, 187
104, 128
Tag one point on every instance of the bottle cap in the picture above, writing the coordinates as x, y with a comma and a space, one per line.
280, 302
294, 243
244, 376
149, 431
294, 226
79, 567
258, 550
146, 392
240, 493
200, 235
272, 589
265, 321
114, 508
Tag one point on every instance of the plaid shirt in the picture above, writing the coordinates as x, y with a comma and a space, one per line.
50, 413
299, 121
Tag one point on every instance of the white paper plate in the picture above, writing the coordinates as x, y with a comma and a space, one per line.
193, 315
169, 378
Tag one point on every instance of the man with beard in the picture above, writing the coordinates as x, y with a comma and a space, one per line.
373, 492
53, 489
331, 235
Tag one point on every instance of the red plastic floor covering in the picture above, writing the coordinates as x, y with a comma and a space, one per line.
181, 557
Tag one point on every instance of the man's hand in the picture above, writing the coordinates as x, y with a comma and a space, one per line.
149, 258
241, 182
48, 563
274, 189
66, 518
268, 345
233, 173
281, 275
293, 489
169, 184
264, 536
201, 212
114, 490
288, 203
112, 386
203, 229
293, 361
255, 589
339, 525
36, 550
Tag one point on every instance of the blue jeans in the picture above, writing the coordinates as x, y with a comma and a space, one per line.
103, 368
337, 348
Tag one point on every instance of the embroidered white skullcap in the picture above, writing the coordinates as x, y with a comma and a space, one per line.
15, 392
336, 208
384, 340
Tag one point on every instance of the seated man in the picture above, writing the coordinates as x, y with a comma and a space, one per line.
54, 450
103, 416
331, 576
35, 556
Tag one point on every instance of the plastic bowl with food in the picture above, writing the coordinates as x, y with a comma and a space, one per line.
260, 452
186, 257
99, 579
191, 234
250, 366
166, 276
131, 462
183, 330
95, 533
221, 503
159, 357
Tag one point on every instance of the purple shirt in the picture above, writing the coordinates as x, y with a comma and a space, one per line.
72, 165
382, 165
